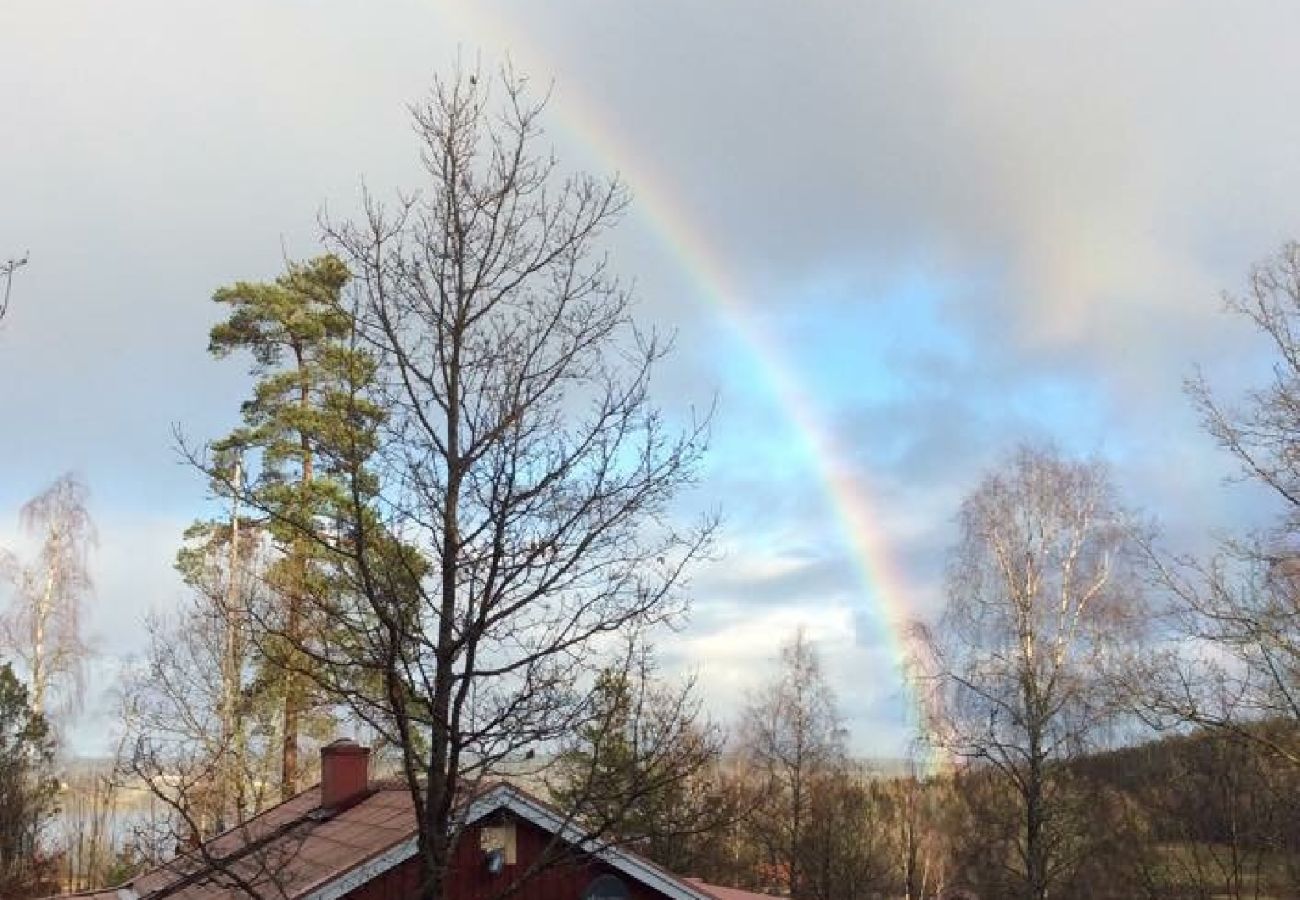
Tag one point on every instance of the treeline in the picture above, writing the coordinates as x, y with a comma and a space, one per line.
786, 811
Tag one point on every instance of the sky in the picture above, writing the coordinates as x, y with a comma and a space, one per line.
893, 239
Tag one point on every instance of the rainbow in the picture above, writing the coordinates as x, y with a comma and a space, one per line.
660, 210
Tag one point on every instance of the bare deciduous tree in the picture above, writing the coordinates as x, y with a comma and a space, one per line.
44, 623
206, 784
509, 522
7, 269
1262, 434
793, 739
1239, 612
1042, 604
1236, 659
92, 819
203, 738
916, 801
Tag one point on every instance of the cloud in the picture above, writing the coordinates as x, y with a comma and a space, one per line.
769, 580
1074, 160
738, 649
964, 227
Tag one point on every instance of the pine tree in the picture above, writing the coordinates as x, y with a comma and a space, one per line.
643, 770
306, 423
27, 785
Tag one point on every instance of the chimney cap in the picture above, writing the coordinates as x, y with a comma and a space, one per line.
344, 745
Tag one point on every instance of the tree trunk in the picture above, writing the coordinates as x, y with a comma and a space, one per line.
1036, 850
293, 700
231, 804
289, 728
442, 762
40, 674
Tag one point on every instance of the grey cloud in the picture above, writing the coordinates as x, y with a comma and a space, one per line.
1088, 178
1107, 170
811, 579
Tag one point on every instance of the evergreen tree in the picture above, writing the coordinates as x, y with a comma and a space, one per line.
305, 425
643, 768
27, 786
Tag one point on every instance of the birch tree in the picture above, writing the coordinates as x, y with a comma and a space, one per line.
1043, 604
793, 740
43, 624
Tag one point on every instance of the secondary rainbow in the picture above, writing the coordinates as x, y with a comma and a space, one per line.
656, 205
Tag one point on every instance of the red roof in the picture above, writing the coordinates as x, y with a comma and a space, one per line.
295, 849
729, 893
286, 851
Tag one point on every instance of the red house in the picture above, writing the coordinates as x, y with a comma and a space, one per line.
351, 838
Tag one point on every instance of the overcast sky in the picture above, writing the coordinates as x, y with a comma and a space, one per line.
966, 225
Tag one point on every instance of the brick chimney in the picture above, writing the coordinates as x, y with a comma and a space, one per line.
344, 772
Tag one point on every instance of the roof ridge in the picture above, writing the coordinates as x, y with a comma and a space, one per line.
601, 844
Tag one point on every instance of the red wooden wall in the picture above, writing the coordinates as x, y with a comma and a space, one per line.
470, 880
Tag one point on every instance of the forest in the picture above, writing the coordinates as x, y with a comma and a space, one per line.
448, 524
